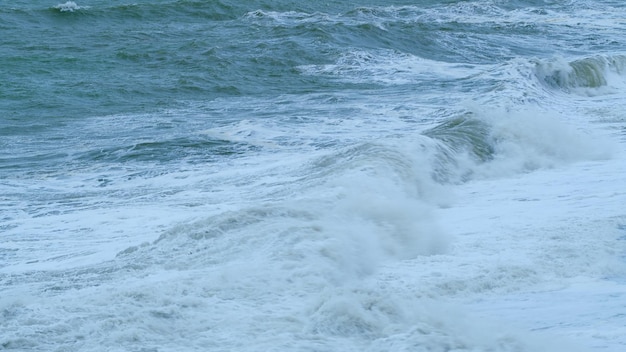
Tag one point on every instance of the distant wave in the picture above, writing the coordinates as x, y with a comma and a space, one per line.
214, 10
69, 6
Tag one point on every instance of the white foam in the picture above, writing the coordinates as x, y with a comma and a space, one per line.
532, 138
69, 6
546, 240
390, 67
333, 236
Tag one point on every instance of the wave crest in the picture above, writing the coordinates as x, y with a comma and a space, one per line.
588, 76
68, 6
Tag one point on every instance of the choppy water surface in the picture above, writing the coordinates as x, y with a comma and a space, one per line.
279, 175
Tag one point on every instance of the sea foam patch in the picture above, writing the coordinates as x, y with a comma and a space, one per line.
69, 6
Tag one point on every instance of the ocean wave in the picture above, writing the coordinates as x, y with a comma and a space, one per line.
462, 143
596, 75
69, 6
214, 10
162, 151
499, 142
289, 18
389, 67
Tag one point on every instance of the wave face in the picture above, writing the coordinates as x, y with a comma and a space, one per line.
182, 175
587, 76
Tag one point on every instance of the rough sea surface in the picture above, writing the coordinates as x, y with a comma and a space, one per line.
223, 175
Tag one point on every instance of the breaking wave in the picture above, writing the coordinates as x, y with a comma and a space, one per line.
587, 76
68, 6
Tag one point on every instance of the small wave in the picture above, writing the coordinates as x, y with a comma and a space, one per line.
289, 18
189, 149
388, 67
69, 6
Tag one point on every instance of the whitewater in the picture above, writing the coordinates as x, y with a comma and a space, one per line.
284, 176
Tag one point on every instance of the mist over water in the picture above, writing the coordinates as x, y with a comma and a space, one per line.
220, 175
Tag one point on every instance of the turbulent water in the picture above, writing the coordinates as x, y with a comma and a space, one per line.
433, 175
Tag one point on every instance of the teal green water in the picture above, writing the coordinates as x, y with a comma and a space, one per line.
89, 85
106, 57
280, 175
176, 67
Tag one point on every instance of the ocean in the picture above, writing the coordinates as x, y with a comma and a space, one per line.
220, 175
